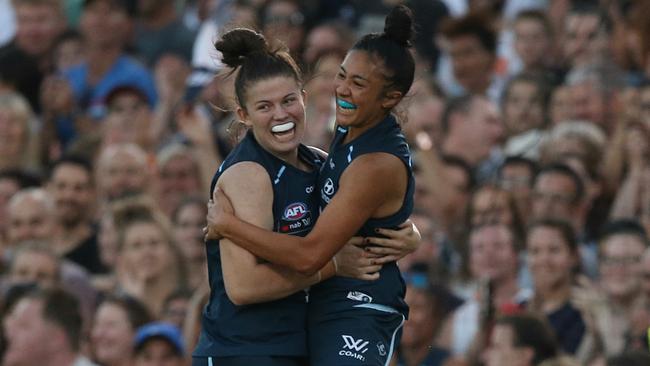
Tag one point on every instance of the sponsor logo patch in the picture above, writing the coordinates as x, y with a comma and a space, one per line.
359, 296
295, 211
381, 349
354, 348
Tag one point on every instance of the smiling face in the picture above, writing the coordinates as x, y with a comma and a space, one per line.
361, 98
146, 250
112, 334
549, 257
275, 111
492, 253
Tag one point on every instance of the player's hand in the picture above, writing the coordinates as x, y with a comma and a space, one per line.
219, 207
353, 261
396, 244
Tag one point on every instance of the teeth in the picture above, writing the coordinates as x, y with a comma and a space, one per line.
283, 127
345, 104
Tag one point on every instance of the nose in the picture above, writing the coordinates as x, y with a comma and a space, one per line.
280, 113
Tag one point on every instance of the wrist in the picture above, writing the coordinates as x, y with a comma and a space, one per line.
329, 270
225, 224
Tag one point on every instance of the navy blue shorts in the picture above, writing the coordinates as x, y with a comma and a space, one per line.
250, 360
363, 335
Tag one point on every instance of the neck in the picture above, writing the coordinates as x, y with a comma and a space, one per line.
61, 358
480, 87
553, 297
125, 361
161, 17
157, 289
293, 160
505, 290
71, 236
356, 131
100, 59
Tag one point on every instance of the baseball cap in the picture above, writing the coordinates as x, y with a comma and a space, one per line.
160, 330
127, 88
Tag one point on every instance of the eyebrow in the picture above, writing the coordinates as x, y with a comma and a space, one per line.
268, 101
354, 76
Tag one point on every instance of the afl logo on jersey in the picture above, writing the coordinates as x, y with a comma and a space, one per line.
295, 211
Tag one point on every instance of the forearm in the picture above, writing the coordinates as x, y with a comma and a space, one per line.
209, 160
162, 116
268, 282
296, 253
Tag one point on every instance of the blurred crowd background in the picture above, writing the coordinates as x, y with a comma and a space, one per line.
529, 122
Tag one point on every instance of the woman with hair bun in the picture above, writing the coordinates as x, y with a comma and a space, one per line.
257, 311
365, 184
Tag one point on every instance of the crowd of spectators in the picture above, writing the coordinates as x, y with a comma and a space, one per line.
529, 124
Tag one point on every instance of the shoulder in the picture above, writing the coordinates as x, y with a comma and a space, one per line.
377, 163
242, 174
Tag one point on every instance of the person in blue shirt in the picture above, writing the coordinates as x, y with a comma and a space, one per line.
365, 184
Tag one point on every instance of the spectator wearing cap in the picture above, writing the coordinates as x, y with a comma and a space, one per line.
159, 344
129, 118
105, 26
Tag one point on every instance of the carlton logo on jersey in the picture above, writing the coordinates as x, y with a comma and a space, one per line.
295, 211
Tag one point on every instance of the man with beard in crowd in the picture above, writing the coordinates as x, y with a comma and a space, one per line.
71, 186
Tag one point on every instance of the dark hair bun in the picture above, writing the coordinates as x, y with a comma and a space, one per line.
238, 44
399, 25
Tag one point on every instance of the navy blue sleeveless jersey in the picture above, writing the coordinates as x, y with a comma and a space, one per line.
338, 294
276, 328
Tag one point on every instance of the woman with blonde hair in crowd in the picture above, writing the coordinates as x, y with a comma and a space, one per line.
18, 141
149, 267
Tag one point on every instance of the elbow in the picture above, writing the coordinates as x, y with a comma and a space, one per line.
240, 296
308, 266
